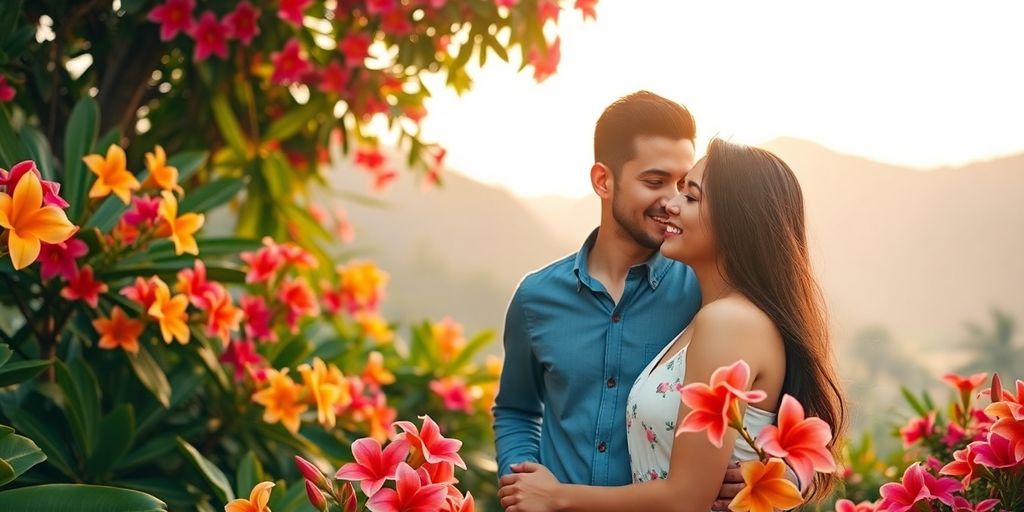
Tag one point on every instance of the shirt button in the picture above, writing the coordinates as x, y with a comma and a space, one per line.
602, 447
611, 382
616, 317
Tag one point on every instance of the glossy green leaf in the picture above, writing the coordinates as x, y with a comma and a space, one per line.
208, 248
211, 195
20, 454
21, 371
78, 142
150, 451
250, 473
78, 498
475, 345
150, 374
9, 17
12, 150
81, 392
41, 152
286, 125
106, 216
115, 436
187, 162
212, 474
228, 124
45, 434
5, 354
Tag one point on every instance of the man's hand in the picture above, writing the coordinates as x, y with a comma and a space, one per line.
532, 488
731, 486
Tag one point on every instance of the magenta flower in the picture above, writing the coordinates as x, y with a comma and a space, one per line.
429, 441
145, 210
379, 7
334, 79
173, 16
257, 314
51, 189
6, 91
241, 355
356, 48
918, 428
290, 64
291, 11
211, 37
410, 494
243, 22
454, 393
373, 466
998, 452
59, 259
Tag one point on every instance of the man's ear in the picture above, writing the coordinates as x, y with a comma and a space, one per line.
602, 180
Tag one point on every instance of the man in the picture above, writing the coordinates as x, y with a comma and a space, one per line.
579, 331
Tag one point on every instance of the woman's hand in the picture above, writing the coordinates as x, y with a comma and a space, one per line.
531, 489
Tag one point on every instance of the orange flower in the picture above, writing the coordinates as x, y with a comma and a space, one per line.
715, 406
30, 222
375, 327
326, 393
160, 174
119, 330
282, 400
375, 372
362, 285
222, 316
111, 175
182, 229
766, 488
257, 502
803, 442
170, 311
448, 336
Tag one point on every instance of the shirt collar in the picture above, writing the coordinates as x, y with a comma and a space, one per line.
656, 266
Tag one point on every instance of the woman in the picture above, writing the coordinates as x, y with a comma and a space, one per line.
738, 221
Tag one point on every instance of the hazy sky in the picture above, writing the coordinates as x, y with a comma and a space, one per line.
918, 83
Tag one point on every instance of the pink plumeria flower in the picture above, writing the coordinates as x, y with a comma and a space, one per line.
373, 466
960, 504
174, 16
60, 259
802, 442
243, 22
429, 441
454, 393
918, 428
145, 210
845, 505
211, 37
83, 286
291, 11
713, 406
290, 64
410, 495
51, 189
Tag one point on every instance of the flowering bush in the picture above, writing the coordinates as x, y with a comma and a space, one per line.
795, 439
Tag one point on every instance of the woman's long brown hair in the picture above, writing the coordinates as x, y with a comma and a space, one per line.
757, 218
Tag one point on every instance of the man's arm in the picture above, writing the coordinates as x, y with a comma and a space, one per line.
519, 405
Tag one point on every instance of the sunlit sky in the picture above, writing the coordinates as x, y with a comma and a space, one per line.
918, 83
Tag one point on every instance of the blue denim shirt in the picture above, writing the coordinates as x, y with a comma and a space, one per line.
571, 356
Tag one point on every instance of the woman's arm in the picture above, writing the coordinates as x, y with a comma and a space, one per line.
721, 334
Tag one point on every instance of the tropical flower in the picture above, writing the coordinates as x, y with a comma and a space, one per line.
918, 428
111, 175
84, 287
546, 63
803, 442
915, 486
369, 158
243, 22
334, 79
447, 335
241, 355
170, 312
59, 259
211, 37
355, 47
329, 391
290, 64
315, 496
996, 452
373, 465
964, 464
145, 210
300, 300
182, 229
222, 316
173, 16
291, 10
374, 327
410, 494
257, 315
375, 373
714, 406
454, 393
160, 174
429, 444
587, 8
51, 189
119, 330
7, 92
30, 222
766, 488
257, 502
960, 504
548, 10
142, 291
264, 263
362, 285
281, 400
845, 505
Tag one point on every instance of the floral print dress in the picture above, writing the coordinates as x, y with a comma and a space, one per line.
651, 414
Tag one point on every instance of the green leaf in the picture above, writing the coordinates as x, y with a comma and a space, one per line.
18, 41
20, 454
5, 430
45, 434
151, 375
308, 225
479, 342
208, 247
81, 390
9, 16
108, 139
78, 498
12, 150
211, 195
21, 371
148, 452
228, 124
107, 215
212, 474
286, 125
250, 473
914, 403
6, 472
40, 151
78, 141
5, 354
292, 352
116, 435
187, 162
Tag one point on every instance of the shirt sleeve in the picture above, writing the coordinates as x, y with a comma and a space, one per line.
519, 406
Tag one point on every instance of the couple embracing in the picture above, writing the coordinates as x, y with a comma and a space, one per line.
694, 265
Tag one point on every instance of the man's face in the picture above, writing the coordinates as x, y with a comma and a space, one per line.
646, 183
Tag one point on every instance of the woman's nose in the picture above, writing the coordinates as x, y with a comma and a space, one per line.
672, 207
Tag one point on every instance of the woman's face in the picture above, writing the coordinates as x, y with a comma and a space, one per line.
689, 238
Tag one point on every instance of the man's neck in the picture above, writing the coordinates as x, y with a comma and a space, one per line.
611, 257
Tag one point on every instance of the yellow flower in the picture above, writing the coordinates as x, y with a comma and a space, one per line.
30, 222
766, 488
448, 336
257, 502
182, 229
282, 400
327, 390
375, 371
160, 174
362, 285
120, 330
170, 311
111, 175
492, 365
374, 327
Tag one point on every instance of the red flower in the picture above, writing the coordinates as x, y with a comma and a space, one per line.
454, 393
299, 299
714, 406
960, 504
173, 16
917, 485
918, 428
59, 259
257, 314
411, 494
508, 4
997, 452
382, 180
378, 7
243, 22
84, 287
145, 210
964, 464
373, 466
334, 79
845, 505
290, 64
430, 443
241, 355
369, 158
142, 291
965, 384
6, 91
222, 316
587, 8
803, 442
210, 36
396, 23
291, 11
548, 10
546, 63
262, 264
192, 282
356, 48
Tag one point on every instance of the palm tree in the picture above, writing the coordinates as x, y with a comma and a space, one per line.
993, 348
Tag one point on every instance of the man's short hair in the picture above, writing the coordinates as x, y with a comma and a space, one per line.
640, 114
